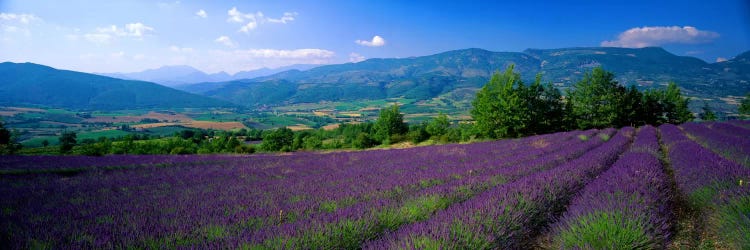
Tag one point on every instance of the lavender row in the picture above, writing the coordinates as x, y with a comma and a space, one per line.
711, 184
370, 219
731, 129
172, 205
384, 181
627, 207
736, 148
507, 216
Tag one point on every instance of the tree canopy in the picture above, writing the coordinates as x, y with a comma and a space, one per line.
390, 122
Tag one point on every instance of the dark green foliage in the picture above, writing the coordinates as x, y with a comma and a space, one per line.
363, 140
651, 110
438, 126
675, 106
744, 108
67, 141
278, 140
8, 141
499, 108
4, 135
707, 114
419, 133
545, 108
390, 123
595, 100
631, 109
505, 107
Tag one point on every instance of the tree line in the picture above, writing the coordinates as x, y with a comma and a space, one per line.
505, 107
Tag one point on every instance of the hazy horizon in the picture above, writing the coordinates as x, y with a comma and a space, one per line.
233, 36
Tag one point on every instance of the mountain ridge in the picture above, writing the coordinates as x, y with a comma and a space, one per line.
175, 75
429, 76
36, 84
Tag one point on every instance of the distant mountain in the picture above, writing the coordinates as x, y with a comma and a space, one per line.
266, 71
182, 75
34, 84
459, 71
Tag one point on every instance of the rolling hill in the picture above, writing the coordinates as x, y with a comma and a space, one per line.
39, 85
177, 75
459, 71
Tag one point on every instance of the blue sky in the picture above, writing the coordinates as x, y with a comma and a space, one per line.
231, 36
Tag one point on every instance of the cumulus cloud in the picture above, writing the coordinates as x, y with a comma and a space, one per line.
201, 13
13, 24
660, 35
107, 34
354, 57
253, 20
376, 41
226, 41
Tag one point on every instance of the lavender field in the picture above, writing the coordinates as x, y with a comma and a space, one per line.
671, 186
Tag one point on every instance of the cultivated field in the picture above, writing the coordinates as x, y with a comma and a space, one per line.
672, 186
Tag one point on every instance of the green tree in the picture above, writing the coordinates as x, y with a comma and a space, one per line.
67, 141
390, 123
630, 109
362, 141
8, 141
438, 125
675, 106
278, 140
651, 110
499, 109
744, 108
707, 114
4, 135
312, 142
418, 133
545, 108
595, 100
45, 143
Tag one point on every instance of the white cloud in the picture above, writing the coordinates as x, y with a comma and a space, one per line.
180, 50
104, 35
287, 17
226, 41
139, 57
659, 35
376, 41
721, 59
233, 61
201, 13
22, 18
249, 26
354, 57
137, 29
168, 5
235, 16
119, 54
13, 25
253, 20
99, 38
286, 54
